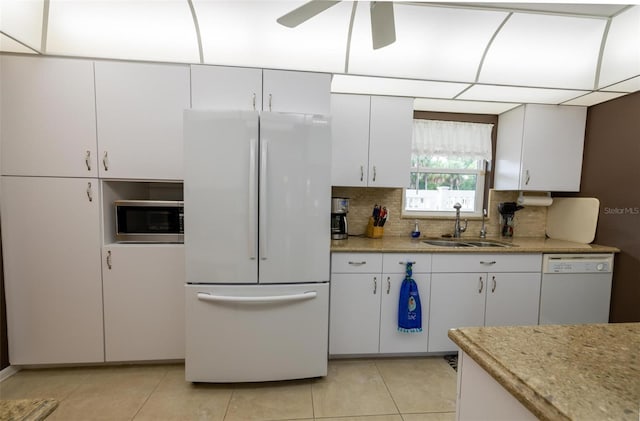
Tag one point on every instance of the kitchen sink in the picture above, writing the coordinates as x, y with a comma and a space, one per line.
488, 244
465, 243
446, 243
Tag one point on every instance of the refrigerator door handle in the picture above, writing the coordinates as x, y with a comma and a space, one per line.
266, 299
253, 206
263, 200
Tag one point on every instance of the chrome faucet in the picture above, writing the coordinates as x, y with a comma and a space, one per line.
483, 230
457, 229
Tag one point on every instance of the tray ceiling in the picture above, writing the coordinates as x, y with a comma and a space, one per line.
468, 57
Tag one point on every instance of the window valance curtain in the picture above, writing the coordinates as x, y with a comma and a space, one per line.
452, 138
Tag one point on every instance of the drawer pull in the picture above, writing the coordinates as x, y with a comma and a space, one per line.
404, 263
388, 284
493, 262
364, 262
375, 285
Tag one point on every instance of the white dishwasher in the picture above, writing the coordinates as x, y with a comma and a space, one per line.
576, 288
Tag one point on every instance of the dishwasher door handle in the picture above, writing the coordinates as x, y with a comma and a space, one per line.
261, 300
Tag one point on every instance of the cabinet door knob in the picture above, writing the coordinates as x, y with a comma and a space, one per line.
87, 160
109, 262
375, 285
481, 286
494, 284
89, 192
105, 161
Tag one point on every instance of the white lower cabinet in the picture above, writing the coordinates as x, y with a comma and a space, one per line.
456, 301
509, 295
51, 245
392, 340
364, 303
354, 310
143, 301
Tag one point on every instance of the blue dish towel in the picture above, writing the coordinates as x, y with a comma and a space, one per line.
409, 308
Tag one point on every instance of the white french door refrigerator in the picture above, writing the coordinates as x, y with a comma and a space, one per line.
257, 236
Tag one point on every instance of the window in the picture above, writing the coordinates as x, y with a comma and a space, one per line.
448, 163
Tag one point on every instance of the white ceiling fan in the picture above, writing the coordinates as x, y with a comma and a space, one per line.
383, 30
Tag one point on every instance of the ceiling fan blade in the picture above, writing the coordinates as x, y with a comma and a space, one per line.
383, 27
305, 12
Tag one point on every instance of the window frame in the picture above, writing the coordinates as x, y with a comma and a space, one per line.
488, 168
480, 174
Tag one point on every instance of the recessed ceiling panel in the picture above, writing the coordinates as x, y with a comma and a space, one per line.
621, 56
471, 107
435, 43
246, 34
545, 51
10, 46
629, 85
22, 20
567, 8
395, 87
519, 94
136, 30
594, 98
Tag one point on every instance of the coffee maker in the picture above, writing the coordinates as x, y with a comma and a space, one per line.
507, 211
339, 210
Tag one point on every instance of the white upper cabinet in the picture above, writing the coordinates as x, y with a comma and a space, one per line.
371, 140
240, 88
226, 88
390, 141
296, 92
350, 140
139, 117
48, 122
540, 148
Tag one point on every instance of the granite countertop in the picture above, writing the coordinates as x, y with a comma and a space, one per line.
519, 245
576, 372
26, 409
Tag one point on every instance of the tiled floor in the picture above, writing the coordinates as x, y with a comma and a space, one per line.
398, 389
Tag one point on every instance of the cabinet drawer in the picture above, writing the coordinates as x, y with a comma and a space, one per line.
356, 262
486, 262
396, 262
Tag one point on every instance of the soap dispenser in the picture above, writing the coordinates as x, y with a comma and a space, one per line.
416, 231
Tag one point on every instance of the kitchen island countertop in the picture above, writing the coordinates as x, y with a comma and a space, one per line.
519, 245
576, 372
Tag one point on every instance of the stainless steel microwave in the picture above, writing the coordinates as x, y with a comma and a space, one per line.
150, 221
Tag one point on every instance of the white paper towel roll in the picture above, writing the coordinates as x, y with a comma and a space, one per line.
535, 200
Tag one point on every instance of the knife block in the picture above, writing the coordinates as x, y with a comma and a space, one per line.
372, 231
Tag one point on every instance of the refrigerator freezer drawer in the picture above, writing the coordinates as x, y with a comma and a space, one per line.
256, 333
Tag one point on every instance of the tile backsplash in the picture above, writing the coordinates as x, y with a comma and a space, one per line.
529, 222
